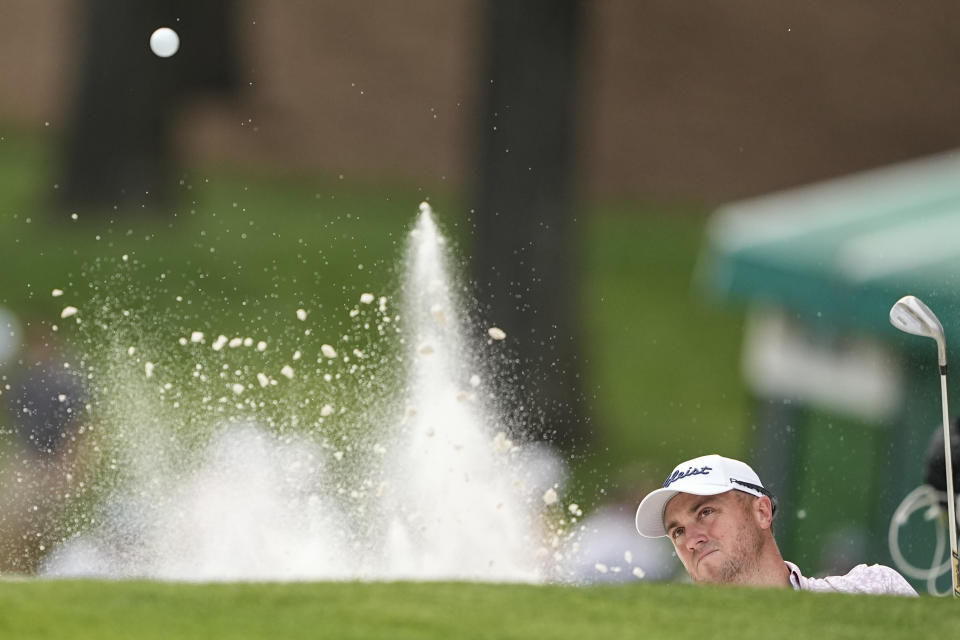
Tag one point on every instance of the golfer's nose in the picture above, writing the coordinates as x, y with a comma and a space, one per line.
695, 538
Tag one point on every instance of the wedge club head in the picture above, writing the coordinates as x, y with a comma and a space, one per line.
910, 315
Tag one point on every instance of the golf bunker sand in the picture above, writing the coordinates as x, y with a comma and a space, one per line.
379, 454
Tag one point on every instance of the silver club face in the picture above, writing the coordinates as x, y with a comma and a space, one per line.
909, 314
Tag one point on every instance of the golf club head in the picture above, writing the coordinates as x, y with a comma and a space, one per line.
909, 314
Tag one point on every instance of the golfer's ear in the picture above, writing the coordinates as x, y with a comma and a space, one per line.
763, 512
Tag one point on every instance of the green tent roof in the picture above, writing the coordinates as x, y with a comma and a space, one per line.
843, 251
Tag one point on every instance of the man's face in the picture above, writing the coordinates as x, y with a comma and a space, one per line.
718, 538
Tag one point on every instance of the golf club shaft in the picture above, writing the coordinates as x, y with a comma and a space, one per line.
951, 498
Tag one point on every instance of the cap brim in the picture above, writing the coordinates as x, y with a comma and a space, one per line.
649, 519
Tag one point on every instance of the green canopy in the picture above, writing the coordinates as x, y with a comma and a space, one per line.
843, 251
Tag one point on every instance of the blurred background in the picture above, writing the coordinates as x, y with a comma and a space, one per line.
606, 170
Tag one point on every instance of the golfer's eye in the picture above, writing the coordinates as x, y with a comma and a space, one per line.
677, 533
706, 511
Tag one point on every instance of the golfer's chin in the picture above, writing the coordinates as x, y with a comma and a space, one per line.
708, 568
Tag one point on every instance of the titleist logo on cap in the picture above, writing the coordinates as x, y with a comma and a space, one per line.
691, 471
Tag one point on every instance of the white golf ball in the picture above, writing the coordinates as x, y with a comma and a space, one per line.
164, 42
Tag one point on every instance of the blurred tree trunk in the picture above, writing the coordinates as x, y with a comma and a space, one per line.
118, 149
526, 258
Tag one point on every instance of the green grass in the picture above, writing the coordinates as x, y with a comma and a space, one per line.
143, 611
235, 240
663, 364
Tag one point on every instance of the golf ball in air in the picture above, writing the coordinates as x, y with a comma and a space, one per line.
164, 42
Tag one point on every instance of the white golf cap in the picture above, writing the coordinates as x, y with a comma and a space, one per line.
703, 476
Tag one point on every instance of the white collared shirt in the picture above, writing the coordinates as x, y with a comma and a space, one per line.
876, 579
